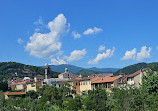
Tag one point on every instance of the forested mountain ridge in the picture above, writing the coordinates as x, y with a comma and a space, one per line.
10, 68
133, 68
76, 69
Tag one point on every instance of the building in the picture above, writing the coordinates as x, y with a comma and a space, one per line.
83, 85
38, 78
107, 82
31, 87
54, 81
136, 78
67, 75
18, 94
19, 86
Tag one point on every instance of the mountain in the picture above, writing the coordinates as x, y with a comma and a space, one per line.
80, 70
87, 72
104, 69
61, 68
133, 68
13, 68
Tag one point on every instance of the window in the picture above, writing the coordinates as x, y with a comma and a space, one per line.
86, 83
59, 85
81, 83
76, 83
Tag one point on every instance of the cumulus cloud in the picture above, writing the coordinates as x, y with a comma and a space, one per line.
130, 55
140, 56
48, 45
109, 53
76, 55
101, 48
76, 35
20, 41
92, 31
57, 61
144, 53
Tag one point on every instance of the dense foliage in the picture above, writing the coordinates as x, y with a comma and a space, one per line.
133, 68
9, 68
51, 98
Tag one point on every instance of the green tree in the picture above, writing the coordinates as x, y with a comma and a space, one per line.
96, 100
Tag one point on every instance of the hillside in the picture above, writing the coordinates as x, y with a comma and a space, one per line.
104, 69
75, 69
12, 68
87, 72
61, 68
133, 68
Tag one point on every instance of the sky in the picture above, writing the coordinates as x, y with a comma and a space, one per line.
91, 33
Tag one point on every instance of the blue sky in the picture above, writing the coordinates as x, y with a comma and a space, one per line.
72, 31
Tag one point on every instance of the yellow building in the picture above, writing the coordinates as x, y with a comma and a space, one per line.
31, 87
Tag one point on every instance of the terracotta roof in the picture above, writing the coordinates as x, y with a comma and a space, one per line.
136, 73
39, 76
24, 82
14, 93
107, 79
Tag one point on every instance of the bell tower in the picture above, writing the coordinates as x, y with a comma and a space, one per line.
46, 70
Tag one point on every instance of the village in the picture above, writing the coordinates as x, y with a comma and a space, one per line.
20, 86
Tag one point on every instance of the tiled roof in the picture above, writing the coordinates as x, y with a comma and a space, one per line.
14, 93
24, 82
136, 73
39, 76
107, 79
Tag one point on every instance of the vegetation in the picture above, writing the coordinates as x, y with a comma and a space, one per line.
51, 98
87, 72
8, 69
133, 68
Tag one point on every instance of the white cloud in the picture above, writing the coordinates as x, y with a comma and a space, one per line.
130, 55
20, 41
101, 48
92, 31
157, 47
76, 55
39, 22
76, 35
144, 53
109, 53
48, 45
57, 61
140, 56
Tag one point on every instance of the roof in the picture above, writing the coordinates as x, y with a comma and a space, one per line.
107, 79
39, 76
14, 93
84, 78
24, 82
136, 73
26, 78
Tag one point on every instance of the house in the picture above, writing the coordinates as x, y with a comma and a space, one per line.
7, 94
107, 82
54, 81
19, 86
38, 78
67, 75
83, 85
136, 78
31, 87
